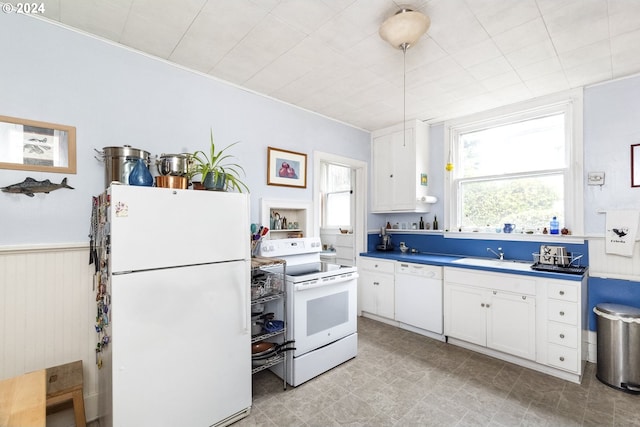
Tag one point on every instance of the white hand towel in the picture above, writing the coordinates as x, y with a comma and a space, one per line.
621, 232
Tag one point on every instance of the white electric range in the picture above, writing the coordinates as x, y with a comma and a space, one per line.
321, 308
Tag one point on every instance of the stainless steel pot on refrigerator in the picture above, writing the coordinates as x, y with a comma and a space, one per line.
119, 161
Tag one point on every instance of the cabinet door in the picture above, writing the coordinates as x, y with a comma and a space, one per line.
376, 293
383, 173
367, 285
404, 170
394, 171
511, 324
465, 313
385, 296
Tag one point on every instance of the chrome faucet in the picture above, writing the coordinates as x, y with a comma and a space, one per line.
499, 254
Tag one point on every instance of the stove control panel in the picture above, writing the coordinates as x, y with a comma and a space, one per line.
287, 247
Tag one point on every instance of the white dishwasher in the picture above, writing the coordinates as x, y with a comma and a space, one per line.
418, 295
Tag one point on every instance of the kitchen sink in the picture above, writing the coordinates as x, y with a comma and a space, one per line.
505, 264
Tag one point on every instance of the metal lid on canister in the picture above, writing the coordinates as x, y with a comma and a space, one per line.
617, 310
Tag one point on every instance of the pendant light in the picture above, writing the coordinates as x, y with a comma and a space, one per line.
402, 31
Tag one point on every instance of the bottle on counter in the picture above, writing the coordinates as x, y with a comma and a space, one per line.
388, 225
435, 222
554, 226
421, 224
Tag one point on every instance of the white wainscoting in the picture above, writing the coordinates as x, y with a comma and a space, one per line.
608, 266
47, 313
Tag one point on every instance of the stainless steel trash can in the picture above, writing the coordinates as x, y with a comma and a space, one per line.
618, 346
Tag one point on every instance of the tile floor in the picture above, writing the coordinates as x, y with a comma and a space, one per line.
403, 379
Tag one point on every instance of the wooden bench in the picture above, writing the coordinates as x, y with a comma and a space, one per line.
64, 384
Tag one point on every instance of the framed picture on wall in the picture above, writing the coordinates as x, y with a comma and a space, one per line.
286, 168
635, 165
37, 146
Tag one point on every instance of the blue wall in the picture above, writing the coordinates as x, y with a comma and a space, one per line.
600, 290
611, 290
116, 96
437, 243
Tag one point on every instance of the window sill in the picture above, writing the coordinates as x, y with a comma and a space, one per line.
522, 237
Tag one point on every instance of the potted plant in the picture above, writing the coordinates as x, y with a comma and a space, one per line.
217, 172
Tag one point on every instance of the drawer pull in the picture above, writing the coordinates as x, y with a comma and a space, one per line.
482, 305
562, 313
488, 306
376, 283
524, 297
562, 336
562, 358
495, 292
561, 292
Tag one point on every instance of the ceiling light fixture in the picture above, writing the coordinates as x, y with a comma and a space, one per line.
402, 31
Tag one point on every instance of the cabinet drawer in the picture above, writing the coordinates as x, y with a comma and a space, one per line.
377, 265
344, 252
514, 283
562, 334
344, 240
563, 291
563, 357
561, 311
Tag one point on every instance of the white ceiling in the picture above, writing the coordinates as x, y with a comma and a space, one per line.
326, 55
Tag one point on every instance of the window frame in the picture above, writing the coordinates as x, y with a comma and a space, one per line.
569, 103
324, 196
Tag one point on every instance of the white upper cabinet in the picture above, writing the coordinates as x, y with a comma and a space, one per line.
400, 162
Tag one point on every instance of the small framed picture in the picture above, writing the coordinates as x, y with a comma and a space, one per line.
635, 165
286, 168
37, 146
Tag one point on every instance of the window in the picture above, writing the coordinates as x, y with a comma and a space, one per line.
336, 196
521, 166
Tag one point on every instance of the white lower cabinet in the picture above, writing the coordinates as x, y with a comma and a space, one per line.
495, 319
376, 287
464, 313
511, 324
345, 251
564, 324
537, 319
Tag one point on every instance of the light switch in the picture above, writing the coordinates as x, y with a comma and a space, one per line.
595, 178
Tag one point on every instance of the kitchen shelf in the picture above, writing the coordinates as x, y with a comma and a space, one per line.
261, 337
269, 363
267, 298
275, 300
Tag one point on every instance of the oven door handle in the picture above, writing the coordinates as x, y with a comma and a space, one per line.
325, 281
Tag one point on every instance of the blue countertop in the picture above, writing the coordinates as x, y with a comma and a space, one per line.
446, 260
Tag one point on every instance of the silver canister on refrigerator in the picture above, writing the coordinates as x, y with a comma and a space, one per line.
119, 162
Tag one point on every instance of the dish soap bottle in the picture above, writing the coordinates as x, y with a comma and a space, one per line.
554, 226
435, 222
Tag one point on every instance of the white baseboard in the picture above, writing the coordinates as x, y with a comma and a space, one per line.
401, 325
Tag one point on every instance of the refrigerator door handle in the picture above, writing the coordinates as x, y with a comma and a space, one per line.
245, 315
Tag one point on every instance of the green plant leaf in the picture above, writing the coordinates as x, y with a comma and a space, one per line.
218, 162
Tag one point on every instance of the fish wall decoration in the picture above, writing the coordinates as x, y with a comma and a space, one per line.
30, 186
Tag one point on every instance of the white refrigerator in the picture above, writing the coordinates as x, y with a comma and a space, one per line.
178, 295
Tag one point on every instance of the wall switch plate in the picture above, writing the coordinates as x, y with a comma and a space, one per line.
595, 178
